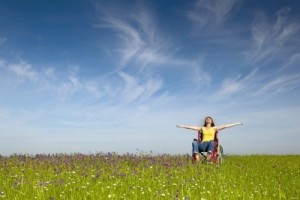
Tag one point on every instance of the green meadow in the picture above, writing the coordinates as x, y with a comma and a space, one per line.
131, 176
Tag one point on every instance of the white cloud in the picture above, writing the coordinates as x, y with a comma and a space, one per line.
256, 85
240, 84
230, 87
143, 48
64, 84
69, 86
24, 71
210, 13
134, 90
140, 40
272, 39
93, 88
130, 39
293, 61
281, 84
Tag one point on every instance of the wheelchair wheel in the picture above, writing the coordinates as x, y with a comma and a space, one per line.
220, 155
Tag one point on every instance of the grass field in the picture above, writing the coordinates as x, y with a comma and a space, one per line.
113, 176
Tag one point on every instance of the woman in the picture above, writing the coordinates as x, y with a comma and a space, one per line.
208, 131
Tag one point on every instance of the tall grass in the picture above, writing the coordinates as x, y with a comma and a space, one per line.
113, 176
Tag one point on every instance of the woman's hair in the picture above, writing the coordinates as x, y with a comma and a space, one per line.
212, 121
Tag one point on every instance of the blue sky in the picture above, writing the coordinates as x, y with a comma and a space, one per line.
102, 76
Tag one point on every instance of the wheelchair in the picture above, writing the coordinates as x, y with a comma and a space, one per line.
217, 156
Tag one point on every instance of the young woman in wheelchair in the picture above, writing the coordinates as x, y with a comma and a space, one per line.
208, 131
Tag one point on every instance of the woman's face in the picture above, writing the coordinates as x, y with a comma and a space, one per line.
208, 120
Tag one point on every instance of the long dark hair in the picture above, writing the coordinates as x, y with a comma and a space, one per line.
212, 121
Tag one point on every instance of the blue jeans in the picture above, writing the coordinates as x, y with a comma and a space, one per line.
203, 146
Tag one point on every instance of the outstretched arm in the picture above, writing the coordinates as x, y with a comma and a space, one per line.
196, 128
218, 128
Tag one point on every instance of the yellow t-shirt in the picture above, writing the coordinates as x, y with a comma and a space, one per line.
208, 134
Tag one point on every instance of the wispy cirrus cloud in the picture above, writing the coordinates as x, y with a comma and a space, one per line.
257, 85
69, 83
280, 84
139, 37
143, 48
210, 13
273, 38
134, 89
239, 84
293, 61
274, 44
131, 41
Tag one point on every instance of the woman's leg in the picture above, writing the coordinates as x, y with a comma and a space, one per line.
210, 148
195, 151
197, 157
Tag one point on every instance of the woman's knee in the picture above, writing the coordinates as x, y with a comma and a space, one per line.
195, 142
211, 146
